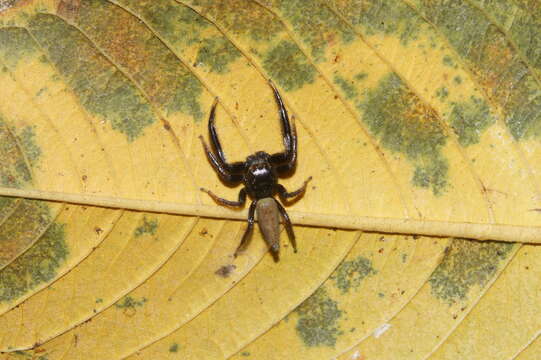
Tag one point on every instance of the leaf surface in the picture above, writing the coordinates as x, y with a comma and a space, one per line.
419, 122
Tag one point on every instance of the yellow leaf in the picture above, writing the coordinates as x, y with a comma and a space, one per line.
453, 289
379, 276
419, 122
132, 251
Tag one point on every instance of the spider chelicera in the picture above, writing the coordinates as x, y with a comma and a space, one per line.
259, 173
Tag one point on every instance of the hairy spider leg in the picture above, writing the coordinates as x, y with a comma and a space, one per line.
246, 237
284, 195
289, 227
223, 172
222, 201
231, 173
235, 168
285, 160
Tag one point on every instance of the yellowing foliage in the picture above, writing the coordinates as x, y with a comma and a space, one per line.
418, 120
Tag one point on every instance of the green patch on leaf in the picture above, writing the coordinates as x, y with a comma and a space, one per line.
25, 224
129, 303
15, 44
139, 53
41, 91
360, 76
503, 10
101, 88
28, 143
389, 17
7, 206
467, 264
317, 25
442, 93
149, 227
463, 24
174, 21
470, 119
173, 348
37, 266
217, 53
432, 173
493, 61
288, 66
522, 23
402, 123
447, 60
347, 87
14, 171
351, 273
30, 355
23, 171
241, 17
524, 111
526, 31
317, 324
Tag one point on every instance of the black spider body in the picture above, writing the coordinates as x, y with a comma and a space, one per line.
260, 178
259, 174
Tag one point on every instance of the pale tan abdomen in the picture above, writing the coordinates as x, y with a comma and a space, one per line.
268, 218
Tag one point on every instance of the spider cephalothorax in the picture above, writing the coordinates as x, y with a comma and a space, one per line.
259, 173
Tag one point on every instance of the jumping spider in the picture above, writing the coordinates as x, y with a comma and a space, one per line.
259, 174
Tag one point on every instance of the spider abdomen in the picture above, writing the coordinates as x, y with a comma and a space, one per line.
268, 218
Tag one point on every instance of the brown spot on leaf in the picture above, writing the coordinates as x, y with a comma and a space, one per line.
241, 17
225, 271
69, 8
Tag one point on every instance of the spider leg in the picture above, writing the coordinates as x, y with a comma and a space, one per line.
234, 168
285, 161
222, 201
288, 225
247, 234
224, 172
284, 195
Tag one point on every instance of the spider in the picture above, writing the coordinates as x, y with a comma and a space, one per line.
259, 174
